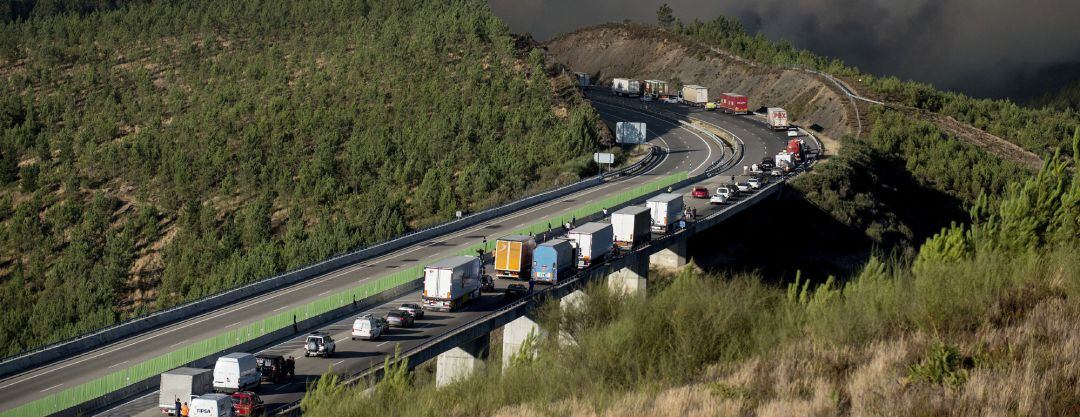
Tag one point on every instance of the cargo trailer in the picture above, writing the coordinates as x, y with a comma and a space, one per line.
630, 226
734, 103
183, 384
625, 87
665, 211
513, 256
592, 241
553, 260
656, 88
451, 283
777, 118
695, 95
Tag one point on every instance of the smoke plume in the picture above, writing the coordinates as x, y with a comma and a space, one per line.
985, 48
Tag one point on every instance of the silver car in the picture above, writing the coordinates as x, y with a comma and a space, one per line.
415, 309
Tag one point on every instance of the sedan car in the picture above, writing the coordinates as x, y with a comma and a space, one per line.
399, 318
717, 198
413, 309
515, 291
754, 183
767, 164
700, 192
743, 187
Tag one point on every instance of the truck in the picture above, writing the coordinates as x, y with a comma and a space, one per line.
183, 384
734, 103
785, 161
695, 95
656, 88
631, 226
451, 283
212, 405
553, 260
513, 256
665, 210
795, 147
592, 242
236, 372
777, 118
625, 87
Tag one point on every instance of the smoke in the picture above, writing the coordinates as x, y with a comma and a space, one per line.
985, 48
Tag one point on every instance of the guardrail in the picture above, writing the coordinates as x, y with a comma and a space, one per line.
143, 376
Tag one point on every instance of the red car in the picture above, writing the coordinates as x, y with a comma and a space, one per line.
700, 192
248, 404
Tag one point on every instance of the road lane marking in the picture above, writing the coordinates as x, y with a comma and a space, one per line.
118, 364
49, 388
336, 363
383, 343
174, 344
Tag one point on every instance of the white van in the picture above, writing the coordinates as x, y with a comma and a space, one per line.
367, 328
211, 405
235, 372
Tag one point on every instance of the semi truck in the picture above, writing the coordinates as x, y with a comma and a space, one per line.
183, 384
513, 256
665, 210
656, 88
451, 283
777, 118
734, 103
592, 242
553, 260
625, 87
631, 226
795, 147
695, 95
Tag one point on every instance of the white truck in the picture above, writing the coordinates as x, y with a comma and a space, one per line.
777, 118
211, 405
236, 372
785, 161
592, 241
451, 282
631, 226
183, 384
665, 210
695, 95
625, 87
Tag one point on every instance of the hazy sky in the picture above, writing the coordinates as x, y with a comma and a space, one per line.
982, 47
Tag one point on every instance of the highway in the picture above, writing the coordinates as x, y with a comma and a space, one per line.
687, 151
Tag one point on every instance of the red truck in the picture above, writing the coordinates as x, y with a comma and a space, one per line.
795, 147
734, 103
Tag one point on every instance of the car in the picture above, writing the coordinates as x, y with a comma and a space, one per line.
515, 291
368, 327
248, 404
793, 133
743, 187
487, 283
767, 164
754, 183
717, 199
275, 368
700, 192
398, 318
319, 344
725, 192
776, 172
670, 100
645, 98
413, 309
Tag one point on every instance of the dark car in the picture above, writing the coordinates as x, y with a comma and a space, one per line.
275, 367
767, 164
516, 291
413, 309
487, 284
399, 318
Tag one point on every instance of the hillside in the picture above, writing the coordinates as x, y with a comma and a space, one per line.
156, 152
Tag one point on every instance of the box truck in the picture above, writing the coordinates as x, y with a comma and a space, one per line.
592, 242
235, 372
656, 88
211, 405
451, 282
513, 256
665, 211
695, 95
183, 384
553, 260
734, 103
630, 226
777, 118
625, 87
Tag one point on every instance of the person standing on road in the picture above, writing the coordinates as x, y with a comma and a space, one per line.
177, 404
184, 410
605, 212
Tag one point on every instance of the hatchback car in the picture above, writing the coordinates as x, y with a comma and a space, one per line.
700, 192
725, 191
717, 199
413, 309
754, 183
398, 318
515, 291
743, 187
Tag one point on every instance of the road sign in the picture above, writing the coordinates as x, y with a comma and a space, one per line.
603, 158
630, 132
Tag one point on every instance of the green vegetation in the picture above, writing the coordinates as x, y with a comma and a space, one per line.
1062, 100
937, 323
156, 152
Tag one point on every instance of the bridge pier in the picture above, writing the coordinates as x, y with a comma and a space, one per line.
672, 257
573, 301
462, 361
633, 279
516, 334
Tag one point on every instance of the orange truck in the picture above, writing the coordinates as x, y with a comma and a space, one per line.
513, 257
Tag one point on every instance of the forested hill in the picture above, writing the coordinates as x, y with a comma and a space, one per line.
161, 151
